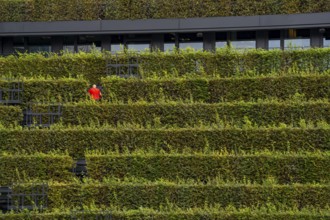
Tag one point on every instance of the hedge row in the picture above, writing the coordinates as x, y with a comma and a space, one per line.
36, 10
191, 214
18, 168
256, 168
217, 90
183, 115
155, 195
77, 140
223, 63
199, 89
50, 89
10, 115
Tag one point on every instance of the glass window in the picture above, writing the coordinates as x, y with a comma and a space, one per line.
191, 40
117, 43
169, 42
244, 40
89, 42
117, 47
39, 44
274, 39
68, 43
297, 39
169, 46
221, 39
138, 46
19, 44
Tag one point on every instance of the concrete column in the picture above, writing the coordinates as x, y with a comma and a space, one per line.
57, 43
209, 41
316, 37
262, 39
177, 44
106, 42
283, 36
157, 42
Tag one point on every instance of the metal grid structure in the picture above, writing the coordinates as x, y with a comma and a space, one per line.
42, 115
35, 197
87, 214
12, 93
80, 168
5, 198
124, 65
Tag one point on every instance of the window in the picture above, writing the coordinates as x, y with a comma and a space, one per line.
297, 39
138, 46
191, 40
19, 45
169, 41
69, 43
39, 44
274, 39
243, 40
89, 42
220, 39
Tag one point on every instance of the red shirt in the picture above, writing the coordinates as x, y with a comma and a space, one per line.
95, 93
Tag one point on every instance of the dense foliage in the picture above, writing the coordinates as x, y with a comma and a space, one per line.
77, 140
54, 10
197, 135
187, 63
281, 168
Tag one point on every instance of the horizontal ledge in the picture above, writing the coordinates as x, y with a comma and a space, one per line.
263, 22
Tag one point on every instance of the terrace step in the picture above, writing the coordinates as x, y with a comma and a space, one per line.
213, 90
282, 168
76, 140
187, 195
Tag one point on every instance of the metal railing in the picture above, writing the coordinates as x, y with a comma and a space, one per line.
42, 115
12, 93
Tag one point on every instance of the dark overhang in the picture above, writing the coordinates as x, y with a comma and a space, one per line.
264, 22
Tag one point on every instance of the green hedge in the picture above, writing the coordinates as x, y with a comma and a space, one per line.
223, 63
36, 10
53, 90
154, 195
91, 66
191, 214
18, 168
10, 115
255, 168
183, 115
77, 140
217, 90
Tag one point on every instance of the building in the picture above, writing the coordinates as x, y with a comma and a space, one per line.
265, 31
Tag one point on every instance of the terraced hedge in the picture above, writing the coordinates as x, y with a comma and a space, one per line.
180, 214
183, 115
209, 213
223, 63
10, 115
64, 90
77, 140
34, 10
217, 90
154, 195
19, 168
283, 168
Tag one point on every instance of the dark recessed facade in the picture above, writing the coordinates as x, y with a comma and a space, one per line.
242, 32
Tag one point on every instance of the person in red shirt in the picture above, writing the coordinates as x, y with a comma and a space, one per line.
95, 93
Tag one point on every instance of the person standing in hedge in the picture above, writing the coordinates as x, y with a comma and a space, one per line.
95, 93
